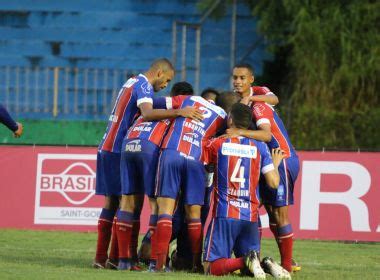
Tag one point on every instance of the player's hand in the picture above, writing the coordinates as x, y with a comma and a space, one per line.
192, 113
277, 156
19, 130
231, 133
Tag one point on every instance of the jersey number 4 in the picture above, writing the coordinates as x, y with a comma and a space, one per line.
238, 171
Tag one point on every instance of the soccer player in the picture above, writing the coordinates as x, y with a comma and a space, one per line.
276, 201
134, 97
180, 168
239, 162
6, 119
210, 94
140, 151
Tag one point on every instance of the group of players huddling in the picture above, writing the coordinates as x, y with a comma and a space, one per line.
187, 153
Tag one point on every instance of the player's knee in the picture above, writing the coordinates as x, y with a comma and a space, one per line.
165, 205
153, 206
281, 215
127, 203
193, 211
111, 202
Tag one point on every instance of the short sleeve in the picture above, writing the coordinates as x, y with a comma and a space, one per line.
262, 113
159, 102
266, 158
144, 92
262, 91
178, 100
210, 150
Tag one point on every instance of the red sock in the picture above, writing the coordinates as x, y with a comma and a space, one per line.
224, 266
124, 233
153, 243
285, 244
114, 254
164, 233
104, 237
134, 239
194, 230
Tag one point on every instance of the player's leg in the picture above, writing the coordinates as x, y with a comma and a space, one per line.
247, 245
168, 180
277, 205
107, 184
113, 257
194, 195
219, 242
130, 208
164, 230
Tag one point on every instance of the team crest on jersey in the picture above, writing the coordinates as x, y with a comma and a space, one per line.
65, 189
234, 149
146, 88
259, 109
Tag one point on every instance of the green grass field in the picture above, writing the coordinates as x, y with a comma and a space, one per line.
68, 255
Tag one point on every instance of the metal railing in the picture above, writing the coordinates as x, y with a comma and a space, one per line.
60, 92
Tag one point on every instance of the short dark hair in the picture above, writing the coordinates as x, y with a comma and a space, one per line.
241, 115
226, 100
207, 92
246, 66
182, 88
162, 63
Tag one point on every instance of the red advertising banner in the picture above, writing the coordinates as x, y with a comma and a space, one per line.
336, 193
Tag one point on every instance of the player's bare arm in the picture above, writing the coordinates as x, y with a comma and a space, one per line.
271, 99
19, 130
150, 114
277, 156
272, 177
261, 135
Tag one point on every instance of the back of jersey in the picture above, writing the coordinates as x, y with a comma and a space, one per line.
135, 91
239, 162
187, 136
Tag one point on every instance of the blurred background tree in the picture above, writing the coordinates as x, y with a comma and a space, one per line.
325, 68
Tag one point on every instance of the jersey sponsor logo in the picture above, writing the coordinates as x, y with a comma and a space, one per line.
65, 189
191, 137
233, 149
133, 146
239, 203
259, 109
143, 127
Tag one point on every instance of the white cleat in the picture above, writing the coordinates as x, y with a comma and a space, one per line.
252, 262
274, 269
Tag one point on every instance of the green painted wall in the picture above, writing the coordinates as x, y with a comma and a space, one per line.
48, 132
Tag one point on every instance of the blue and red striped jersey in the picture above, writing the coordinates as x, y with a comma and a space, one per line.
188, 136
154, 131
238, 164
135, 91
263, 113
